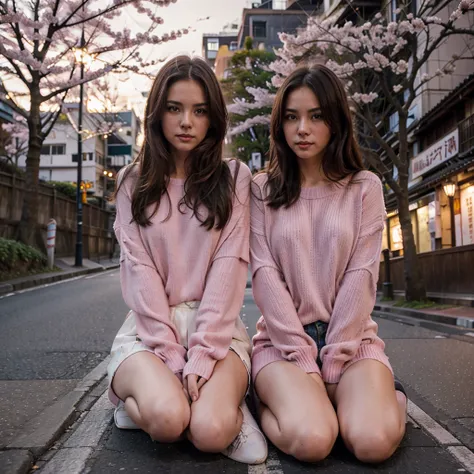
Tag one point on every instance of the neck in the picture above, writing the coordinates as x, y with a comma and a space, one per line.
311, 172
180, 168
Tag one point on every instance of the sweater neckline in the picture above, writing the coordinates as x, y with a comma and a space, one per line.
318, 192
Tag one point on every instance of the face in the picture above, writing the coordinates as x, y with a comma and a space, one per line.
185, 120
306, 133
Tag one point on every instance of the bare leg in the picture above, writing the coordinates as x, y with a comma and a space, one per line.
153, 396
215, 416
295, 411
371, 415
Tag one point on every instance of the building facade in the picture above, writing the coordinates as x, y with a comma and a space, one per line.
441, 189
213, 42
264, 23
102, 154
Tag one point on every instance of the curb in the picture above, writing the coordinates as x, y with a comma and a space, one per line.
45, 279
467, 323
44, 429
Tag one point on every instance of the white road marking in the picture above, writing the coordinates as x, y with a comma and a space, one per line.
71, 460
272, 465
464, 455
99, 274
19, 292
444, 437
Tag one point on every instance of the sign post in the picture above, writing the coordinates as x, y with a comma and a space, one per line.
51, 241
256, 161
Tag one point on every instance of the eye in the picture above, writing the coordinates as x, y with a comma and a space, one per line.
290, 117
317, 116
201, 111
173, 108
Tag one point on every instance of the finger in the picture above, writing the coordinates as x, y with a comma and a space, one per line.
185, 390
192, 387
201, 382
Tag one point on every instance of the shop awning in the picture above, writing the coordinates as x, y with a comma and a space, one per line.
453, 166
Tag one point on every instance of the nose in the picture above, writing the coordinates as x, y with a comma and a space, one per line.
186, 120
303, 127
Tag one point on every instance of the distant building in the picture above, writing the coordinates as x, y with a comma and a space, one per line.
212, 42
265, 20
100, 152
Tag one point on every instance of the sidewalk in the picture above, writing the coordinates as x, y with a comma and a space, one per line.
68, 270
461, 316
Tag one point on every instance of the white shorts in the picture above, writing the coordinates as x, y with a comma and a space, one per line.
183, 316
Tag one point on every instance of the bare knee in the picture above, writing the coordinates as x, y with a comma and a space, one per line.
213, 432
165, 421
372, 445
306, 442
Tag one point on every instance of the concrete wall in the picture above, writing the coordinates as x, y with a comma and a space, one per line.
97, 223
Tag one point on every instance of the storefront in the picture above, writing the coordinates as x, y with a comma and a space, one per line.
442, 200
467, 213
423, 221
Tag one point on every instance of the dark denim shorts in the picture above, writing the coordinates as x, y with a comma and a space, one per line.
317, 332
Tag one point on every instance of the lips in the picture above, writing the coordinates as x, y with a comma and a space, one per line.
303, 144
185, 138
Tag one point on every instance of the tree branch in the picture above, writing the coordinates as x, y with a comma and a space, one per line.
377, 163
376, 135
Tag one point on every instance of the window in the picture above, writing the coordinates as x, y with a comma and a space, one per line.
259, 29
279, 4
85, 157
129, 133
58, 149
213, 45
393, 8
53, 149
46, 150
233, 46
393, 122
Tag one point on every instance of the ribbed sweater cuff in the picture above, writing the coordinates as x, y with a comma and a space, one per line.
200, 364
262, 357
307, 362
173, 360
332, 370
265, 356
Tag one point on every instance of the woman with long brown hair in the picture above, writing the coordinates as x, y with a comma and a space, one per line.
317, 220
180, 363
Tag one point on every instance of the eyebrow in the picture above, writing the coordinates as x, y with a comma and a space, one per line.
179, 103
316, 109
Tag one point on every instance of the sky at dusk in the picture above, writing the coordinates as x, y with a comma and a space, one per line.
182, 14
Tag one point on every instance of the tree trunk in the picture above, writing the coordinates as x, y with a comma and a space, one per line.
414, 284
29, 230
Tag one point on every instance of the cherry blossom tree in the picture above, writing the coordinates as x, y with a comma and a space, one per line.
383, 65
39, 53
14, 140
249, 101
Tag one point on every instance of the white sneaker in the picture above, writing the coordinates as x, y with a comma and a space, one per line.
250, 446
122, 420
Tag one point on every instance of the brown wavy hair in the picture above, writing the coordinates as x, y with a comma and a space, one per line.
208, 178
342, 156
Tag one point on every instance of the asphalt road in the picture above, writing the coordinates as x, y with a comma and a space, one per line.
51, 337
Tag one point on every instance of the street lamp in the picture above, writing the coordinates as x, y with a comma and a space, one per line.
450, 190
83, 58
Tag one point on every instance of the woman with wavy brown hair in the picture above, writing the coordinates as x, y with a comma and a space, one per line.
180, 363
317, 219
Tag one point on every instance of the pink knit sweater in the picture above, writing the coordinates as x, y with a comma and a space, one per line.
318, 260
176, 260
